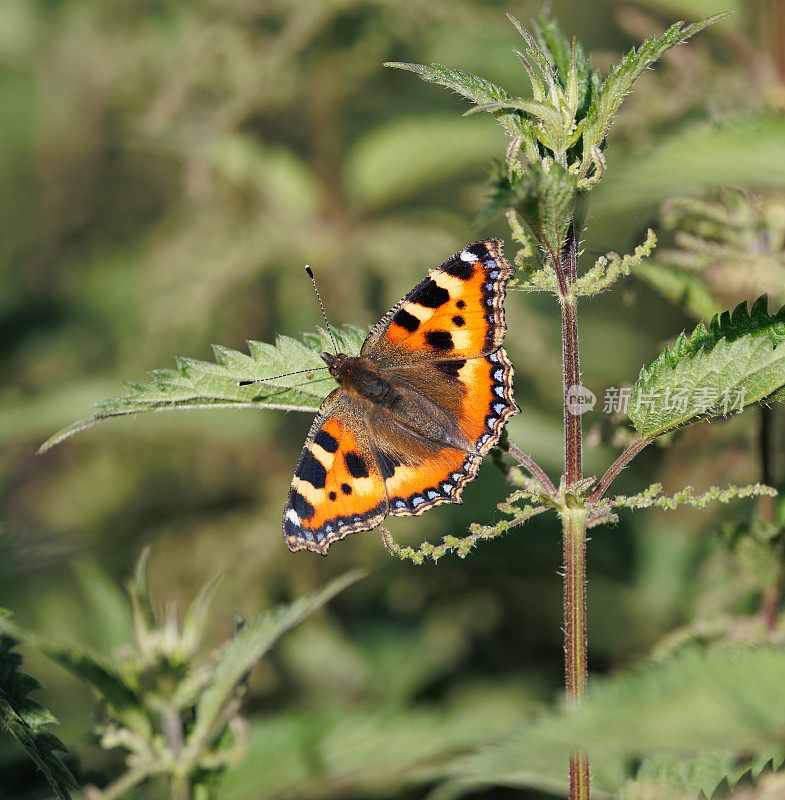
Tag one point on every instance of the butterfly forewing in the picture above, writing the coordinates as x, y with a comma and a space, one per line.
457, 310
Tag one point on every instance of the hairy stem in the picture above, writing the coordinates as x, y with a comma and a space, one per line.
618, 465
573, 435
573, 519
530, 465
575, 669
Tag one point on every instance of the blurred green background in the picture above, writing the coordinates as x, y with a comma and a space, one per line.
167, 167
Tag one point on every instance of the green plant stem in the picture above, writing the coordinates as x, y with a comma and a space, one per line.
529, 464
573, 519
181, 788
173, 734
573, 434
618, 465
575, 646
121, 786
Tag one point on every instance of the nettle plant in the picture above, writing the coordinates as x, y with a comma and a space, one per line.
170, 705
555, 158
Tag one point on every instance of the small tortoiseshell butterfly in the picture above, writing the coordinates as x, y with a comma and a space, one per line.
416, 410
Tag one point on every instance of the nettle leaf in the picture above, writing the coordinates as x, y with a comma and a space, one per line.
736, 362
103, 676
610, 94
246, 647
704, 772
203, 384
473, 87
549, 127
573, 66
26, 720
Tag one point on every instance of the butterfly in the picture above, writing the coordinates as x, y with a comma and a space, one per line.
414, 412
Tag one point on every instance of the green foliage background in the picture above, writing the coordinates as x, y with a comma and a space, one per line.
166, 169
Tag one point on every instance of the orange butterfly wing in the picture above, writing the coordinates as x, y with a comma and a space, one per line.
457, 311
337, 487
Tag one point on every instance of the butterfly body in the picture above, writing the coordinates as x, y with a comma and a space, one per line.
414, 412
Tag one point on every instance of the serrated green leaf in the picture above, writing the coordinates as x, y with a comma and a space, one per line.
246, 647
203, 384
737, 361
705, 772
551, 123
97, 671
608, 97
473, 87
26, 720
573, 67
731, 702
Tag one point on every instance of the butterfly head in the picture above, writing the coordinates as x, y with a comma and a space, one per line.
345, 369
334, 363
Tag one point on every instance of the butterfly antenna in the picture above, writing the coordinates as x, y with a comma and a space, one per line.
275, 377
321, 305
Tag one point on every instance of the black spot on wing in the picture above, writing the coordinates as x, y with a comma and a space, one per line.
430, 295
312, 470
406, 321
356, 465
346, 489
326, 441
450, 368
387, 464
439, 340
461, 269
458, 321
333, 495
301, 506
460, 304
479, 249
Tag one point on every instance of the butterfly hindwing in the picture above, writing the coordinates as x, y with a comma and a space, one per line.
430, 478
337, 487
488, 402
457, 310
435, 479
